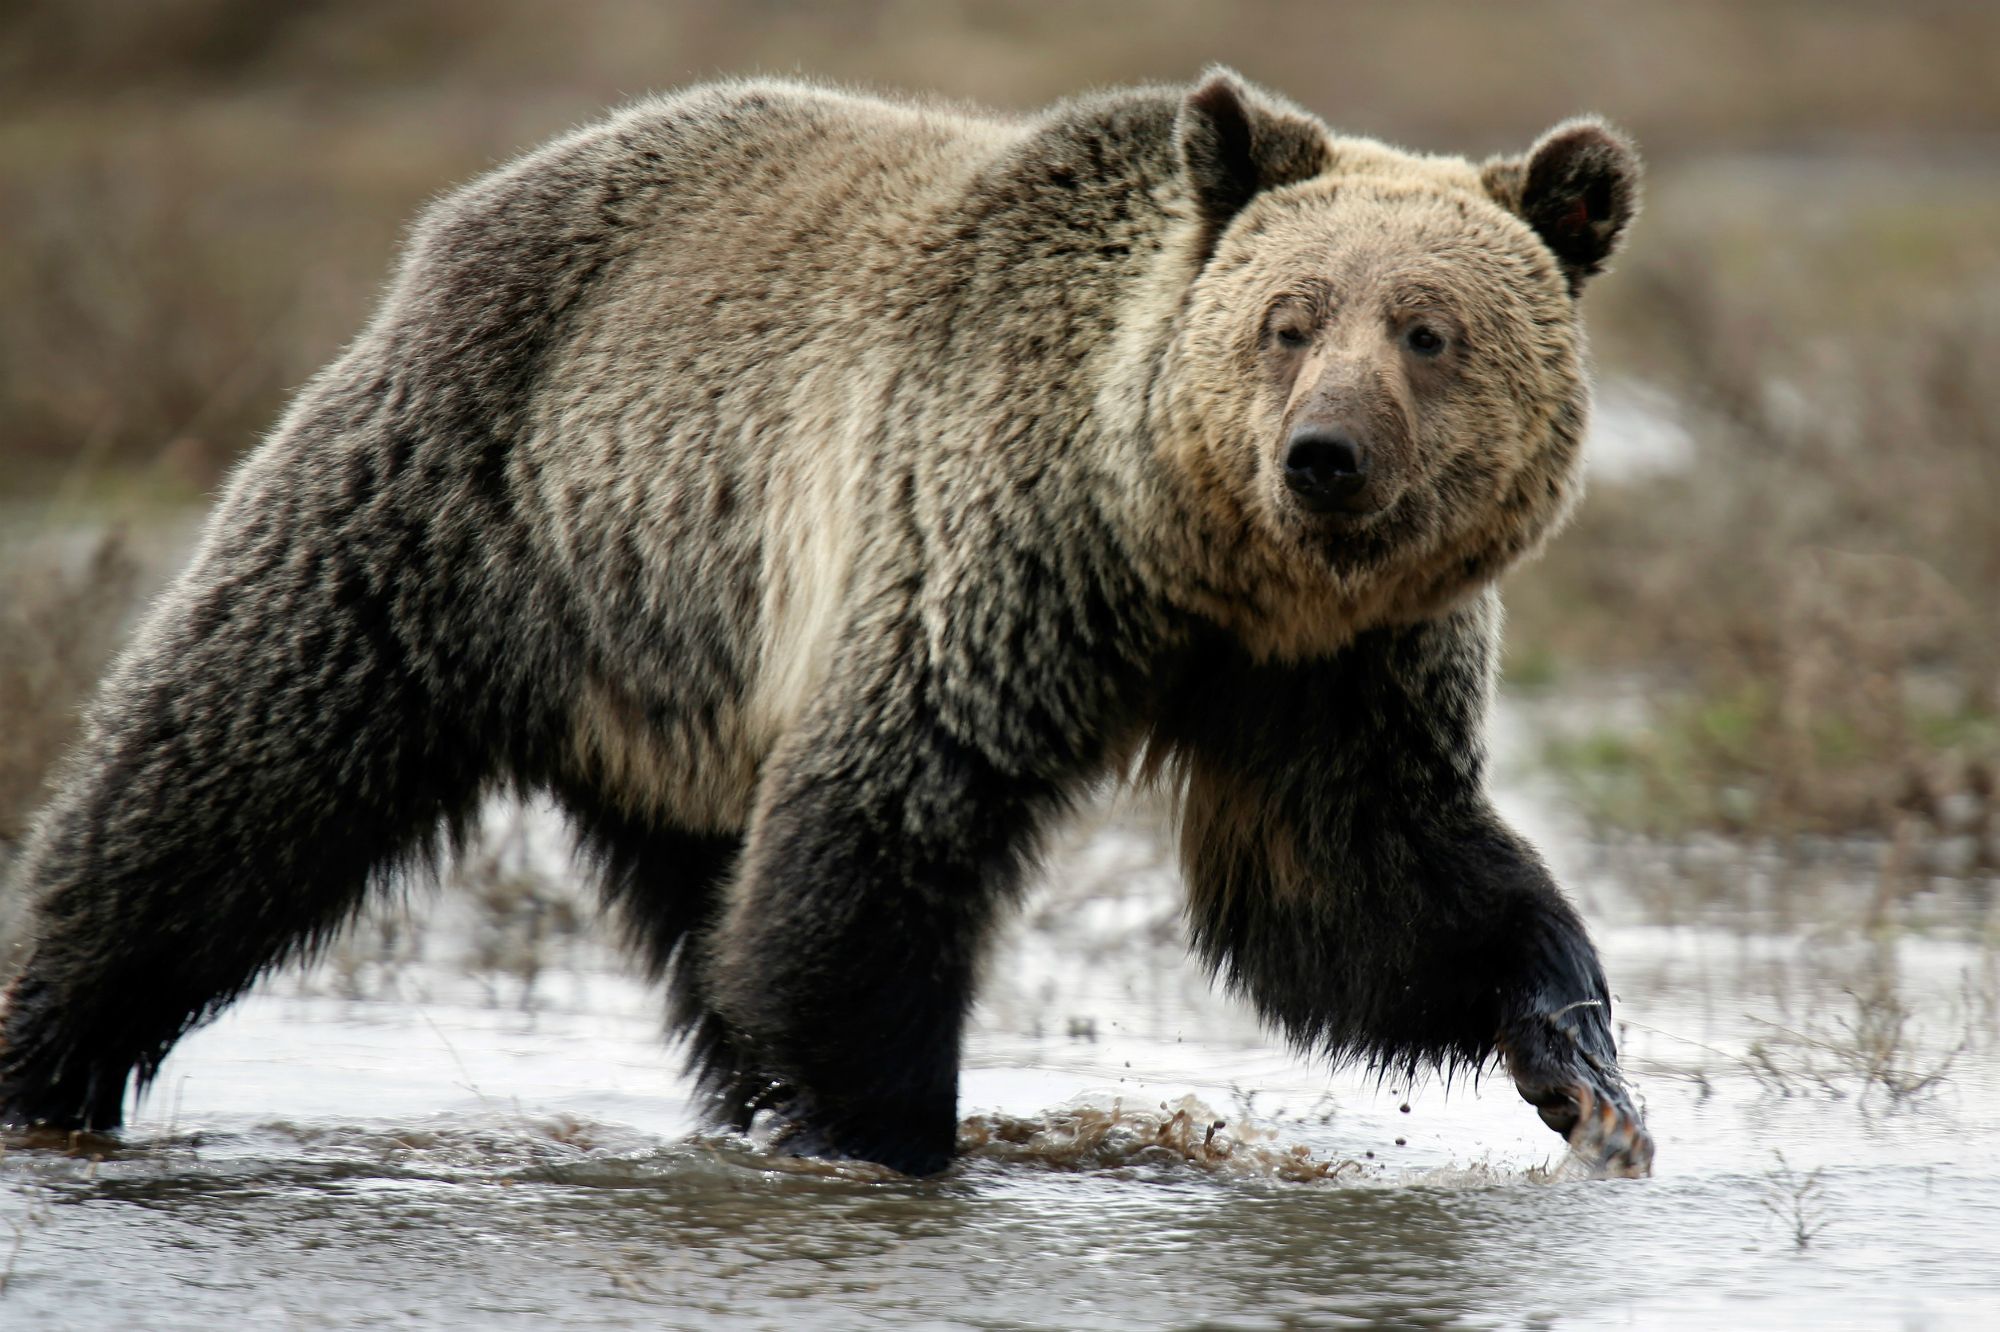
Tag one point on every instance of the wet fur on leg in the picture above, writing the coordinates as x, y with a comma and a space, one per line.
1347, 874
884, 850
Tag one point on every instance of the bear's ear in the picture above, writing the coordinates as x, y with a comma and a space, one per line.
1234, 141
1578, 188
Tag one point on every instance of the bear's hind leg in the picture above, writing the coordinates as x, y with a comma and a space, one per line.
262, 753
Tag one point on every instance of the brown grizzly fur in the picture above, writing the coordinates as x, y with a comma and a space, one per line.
816, 493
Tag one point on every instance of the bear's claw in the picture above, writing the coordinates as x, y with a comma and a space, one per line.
1605, 1131
1581, 1096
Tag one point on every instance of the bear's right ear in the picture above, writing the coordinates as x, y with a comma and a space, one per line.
1234, 142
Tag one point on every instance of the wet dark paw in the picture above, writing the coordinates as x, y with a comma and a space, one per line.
883, 1138
905, 1158
1578, 1092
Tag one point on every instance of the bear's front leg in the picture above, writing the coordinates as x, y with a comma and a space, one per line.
1347, 873
1554, 1030
882, 847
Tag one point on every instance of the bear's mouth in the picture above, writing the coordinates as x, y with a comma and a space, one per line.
1365, 532
1366, 540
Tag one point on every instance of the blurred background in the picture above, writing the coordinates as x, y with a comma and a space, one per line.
1752, 714
1775, 618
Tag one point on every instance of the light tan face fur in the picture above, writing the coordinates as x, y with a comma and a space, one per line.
1411, 313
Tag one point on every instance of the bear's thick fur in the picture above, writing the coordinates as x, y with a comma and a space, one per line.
817, 493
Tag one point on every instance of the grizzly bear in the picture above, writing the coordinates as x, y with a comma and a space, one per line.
816, 495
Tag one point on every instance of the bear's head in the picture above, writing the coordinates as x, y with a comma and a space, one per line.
1376, 390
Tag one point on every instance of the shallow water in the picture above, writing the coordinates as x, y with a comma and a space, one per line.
440, 1153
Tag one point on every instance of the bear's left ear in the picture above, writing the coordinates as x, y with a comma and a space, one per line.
1234, 141
1578, 188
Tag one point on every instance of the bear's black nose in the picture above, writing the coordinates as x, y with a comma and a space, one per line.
1325, 469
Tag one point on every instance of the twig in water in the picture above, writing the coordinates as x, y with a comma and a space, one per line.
1798, 1200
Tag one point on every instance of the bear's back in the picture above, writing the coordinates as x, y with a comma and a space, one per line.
772, 238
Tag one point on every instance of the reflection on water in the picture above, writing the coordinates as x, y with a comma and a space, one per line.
1137, 1155
519, 1223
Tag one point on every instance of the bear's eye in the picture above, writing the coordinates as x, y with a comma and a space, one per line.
1288, 326
1424, 340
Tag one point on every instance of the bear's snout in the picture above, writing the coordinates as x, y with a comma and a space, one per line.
1327, 470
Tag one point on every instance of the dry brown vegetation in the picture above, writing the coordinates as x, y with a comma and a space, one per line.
58, 625
199, 200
